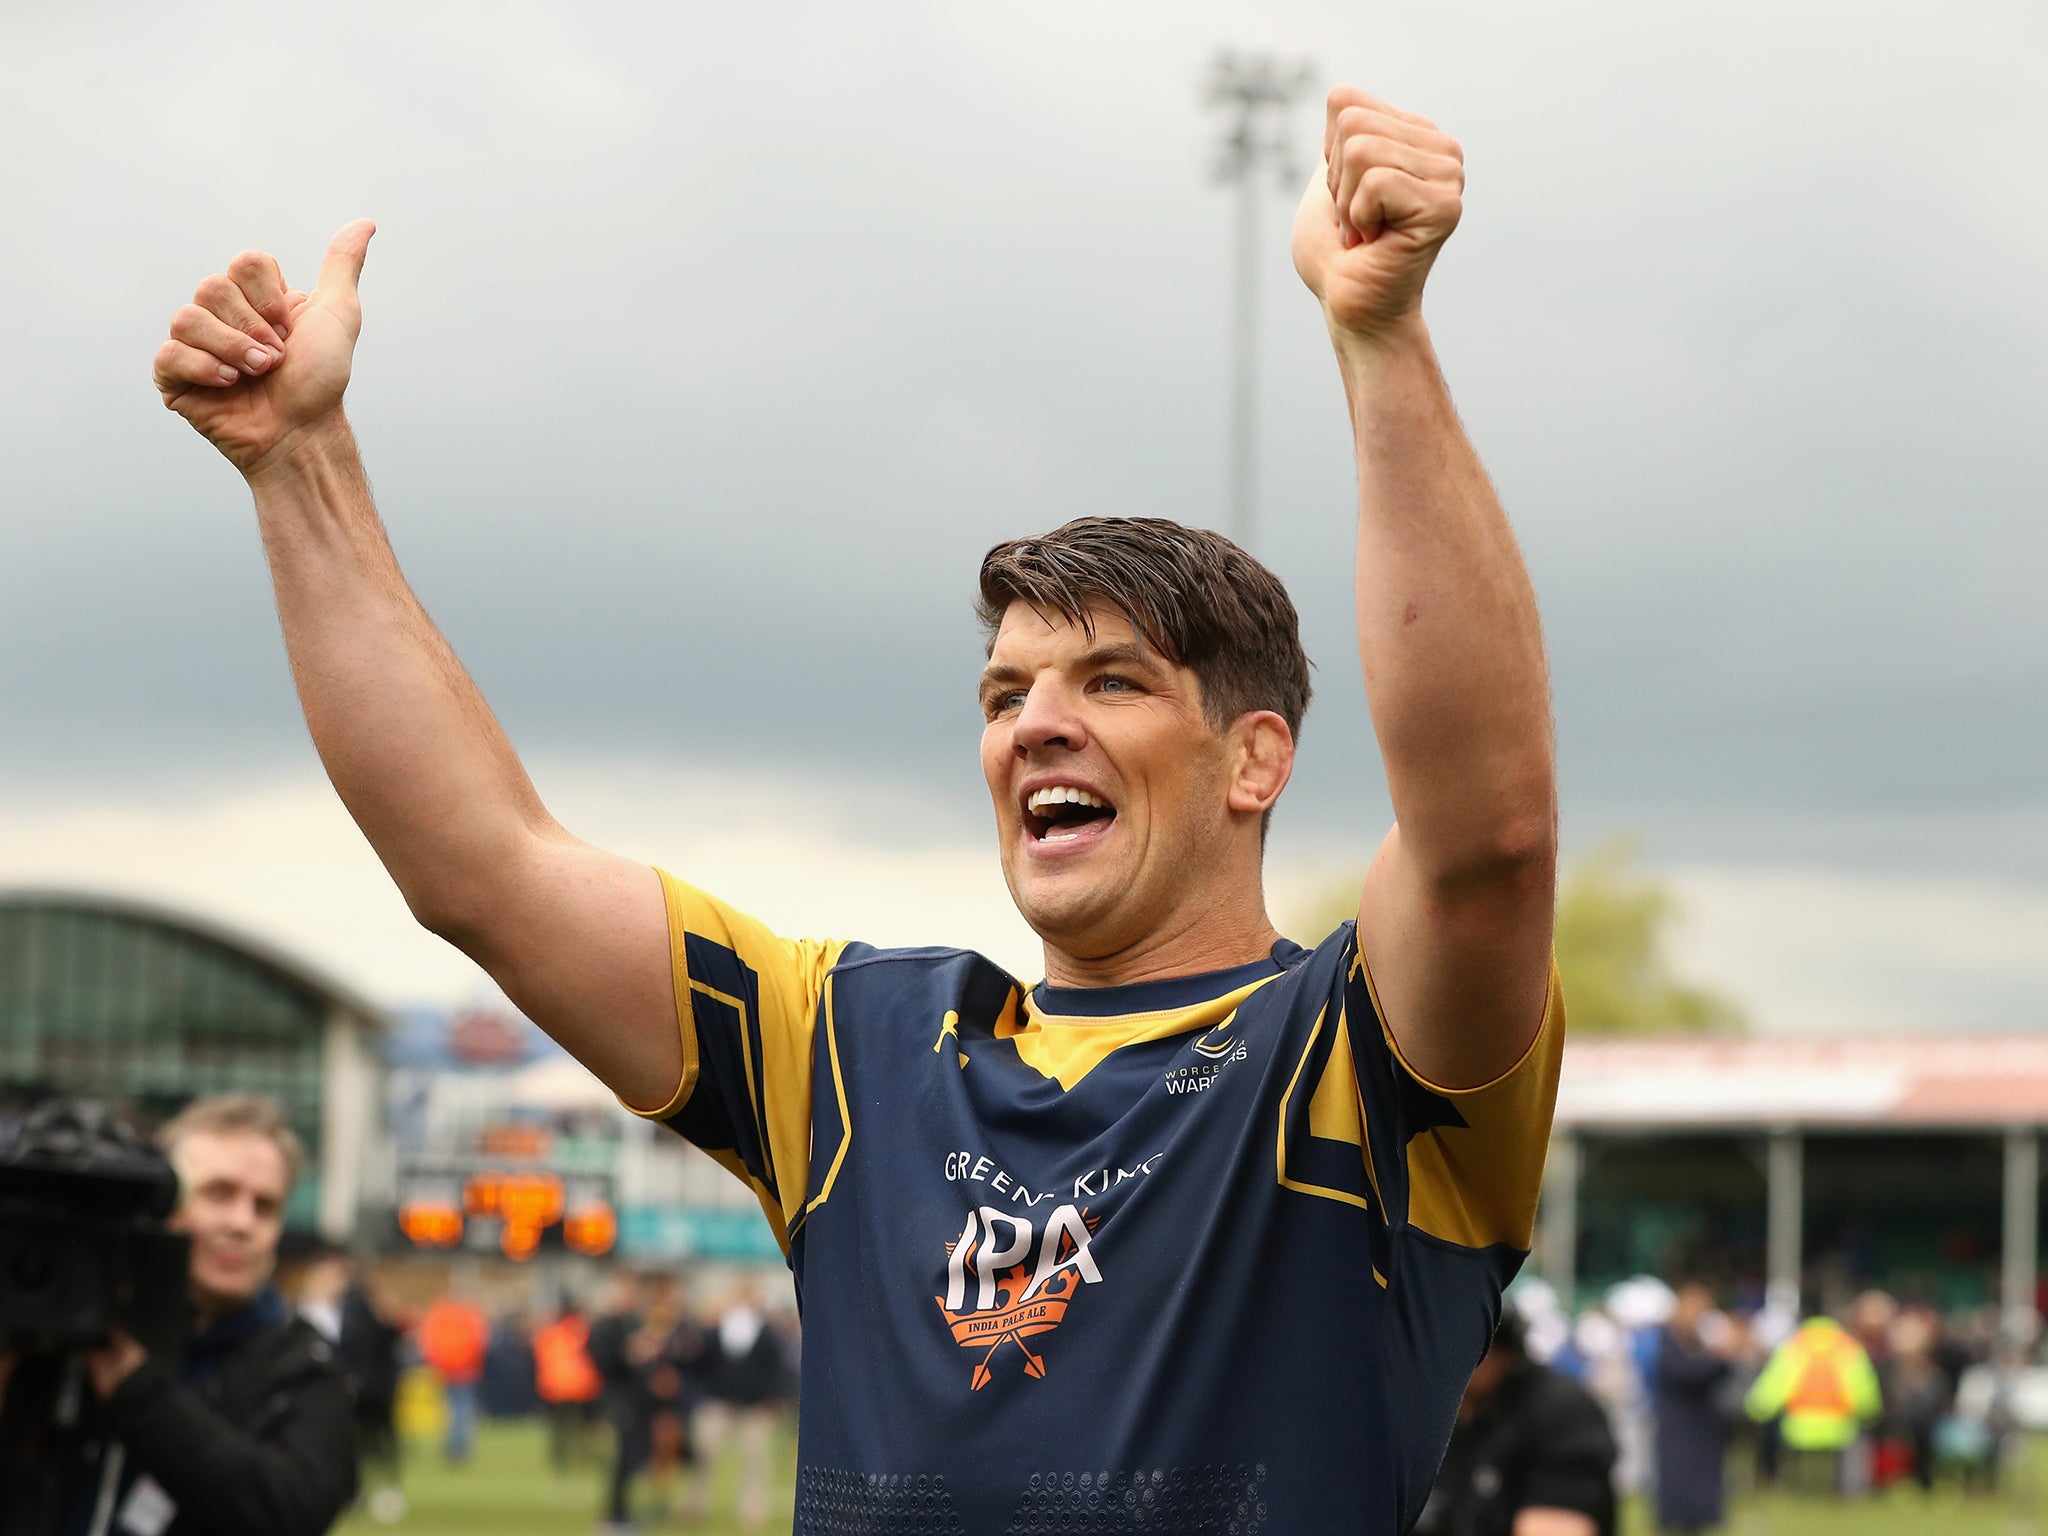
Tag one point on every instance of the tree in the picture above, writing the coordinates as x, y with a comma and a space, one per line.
1611, 920
1611, 925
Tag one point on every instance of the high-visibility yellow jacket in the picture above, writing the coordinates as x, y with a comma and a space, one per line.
1823, 1383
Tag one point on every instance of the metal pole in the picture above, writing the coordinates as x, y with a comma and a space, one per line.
1243, 367
1253, 91
1559, 1218
1785, 1220
2020, 1267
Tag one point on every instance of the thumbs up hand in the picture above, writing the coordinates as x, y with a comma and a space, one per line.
253, 363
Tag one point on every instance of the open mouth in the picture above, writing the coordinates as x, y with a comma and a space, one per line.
1065, 813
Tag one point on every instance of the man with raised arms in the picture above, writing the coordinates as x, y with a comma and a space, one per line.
1204, 1230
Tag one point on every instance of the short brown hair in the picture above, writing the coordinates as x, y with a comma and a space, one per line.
1202, 602
237, 1114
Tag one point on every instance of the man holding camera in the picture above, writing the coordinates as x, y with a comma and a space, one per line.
251, 1435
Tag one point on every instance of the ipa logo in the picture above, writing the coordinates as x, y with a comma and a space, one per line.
1009, 1281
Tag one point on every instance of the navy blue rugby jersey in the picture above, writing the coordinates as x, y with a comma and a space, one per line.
1186, 1256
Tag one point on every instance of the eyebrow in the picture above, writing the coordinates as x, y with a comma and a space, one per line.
1121, 653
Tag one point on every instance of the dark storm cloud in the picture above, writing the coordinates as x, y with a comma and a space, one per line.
704, 359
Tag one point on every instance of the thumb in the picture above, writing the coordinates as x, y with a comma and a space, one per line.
343, 263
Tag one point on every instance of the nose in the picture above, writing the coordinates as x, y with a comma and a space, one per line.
241, 1214
1048, 719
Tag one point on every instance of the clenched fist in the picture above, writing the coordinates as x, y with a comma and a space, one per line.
1386, 197
252, 362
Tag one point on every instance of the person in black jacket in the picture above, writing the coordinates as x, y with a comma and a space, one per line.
746, 1379
1531, 1455
624, 1354
252, 1435
1690, 1390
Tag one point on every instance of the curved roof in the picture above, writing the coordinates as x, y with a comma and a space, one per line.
258, 951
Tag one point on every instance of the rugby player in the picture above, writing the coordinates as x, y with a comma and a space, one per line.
1204, 1230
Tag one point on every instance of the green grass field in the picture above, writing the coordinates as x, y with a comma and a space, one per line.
509, 1490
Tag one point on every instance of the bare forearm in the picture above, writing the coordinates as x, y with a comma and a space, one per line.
1447, 626
404, 734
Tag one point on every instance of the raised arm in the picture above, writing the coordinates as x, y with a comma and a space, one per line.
1455, 919
577, 937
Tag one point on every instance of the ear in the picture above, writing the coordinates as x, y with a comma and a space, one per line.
1262, 761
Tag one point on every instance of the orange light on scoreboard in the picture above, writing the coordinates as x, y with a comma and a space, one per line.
430, 1223
591, 1229
525, 1206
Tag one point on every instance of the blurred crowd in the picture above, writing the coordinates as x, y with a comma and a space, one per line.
650, 1384
1657, 1392
1664, 1393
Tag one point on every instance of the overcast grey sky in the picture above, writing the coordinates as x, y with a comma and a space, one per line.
707, 348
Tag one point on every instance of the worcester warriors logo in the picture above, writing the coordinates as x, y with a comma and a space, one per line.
1008, 1281
1220, 1042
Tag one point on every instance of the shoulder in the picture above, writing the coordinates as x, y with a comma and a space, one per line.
959, 979
294, 1355
936, 958
1312, 977
1564, 1415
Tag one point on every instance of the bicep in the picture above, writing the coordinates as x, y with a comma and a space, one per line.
578, 939
1460, 967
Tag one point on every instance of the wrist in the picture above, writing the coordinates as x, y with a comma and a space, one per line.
1388, 375
1362, 352
307, 453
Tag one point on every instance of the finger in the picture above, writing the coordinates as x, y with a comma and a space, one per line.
179, 367
1391, 199
1343, 96
206, 331
222, 297
294, 301
1363, 152
342, 266
262, 284
1353, 121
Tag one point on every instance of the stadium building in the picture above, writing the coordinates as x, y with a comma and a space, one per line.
458, 1135
147, 1009
1781, 1166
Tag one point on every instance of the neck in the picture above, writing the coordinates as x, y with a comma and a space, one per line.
208, 1309
1189, 946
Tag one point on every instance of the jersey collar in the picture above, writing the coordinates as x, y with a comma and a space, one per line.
1174, 992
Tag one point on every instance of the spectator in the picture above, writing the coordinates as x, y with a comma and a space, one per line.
250, 1435
566, 1381
1822, 1388
745, 1380
1531, 1454
1916, 1394
335, 1299
453, 1338
506, 1388
619, 1350
1692, 1422
372, 1344
673, 1343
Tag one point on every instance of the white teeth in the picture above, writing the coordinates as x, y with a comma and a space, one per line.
1062, 794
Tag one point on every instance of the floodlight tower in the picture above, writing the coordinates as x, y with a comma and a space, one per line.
1254, 90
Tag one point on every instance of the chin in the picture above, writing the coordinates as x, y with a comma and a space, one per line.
1083, 923
224, 1294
